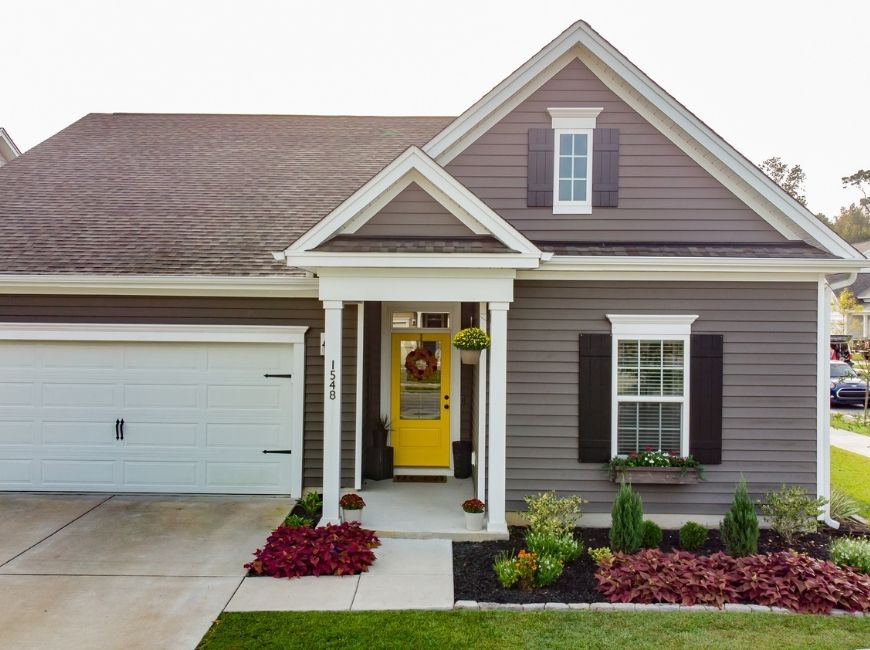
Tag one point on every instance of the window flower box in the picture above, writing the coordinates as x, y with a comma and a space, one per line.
655, 475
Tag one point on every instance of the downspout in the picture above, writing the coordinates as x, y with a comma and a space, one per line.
826, 295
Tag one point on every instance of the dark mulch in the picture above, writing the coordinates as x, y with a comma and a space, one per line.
474, 578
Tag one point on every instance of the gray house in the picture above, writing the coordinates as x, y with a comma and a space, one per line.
181, 293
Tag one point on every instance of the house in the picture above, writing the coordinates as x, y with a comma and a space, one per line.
186, 298
8, 150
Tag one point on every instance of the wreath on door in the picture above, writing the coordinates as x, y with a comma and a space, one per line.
421, 364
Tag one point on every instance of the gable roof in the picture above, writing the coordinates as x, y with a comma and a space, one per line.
187, 194
8, 149
693, 136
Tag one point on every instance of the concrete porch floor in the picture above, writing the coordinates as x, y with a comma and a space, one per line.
420, 510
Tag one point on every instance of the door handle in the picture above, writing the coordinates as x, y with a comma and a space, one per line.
122, 428
117, 429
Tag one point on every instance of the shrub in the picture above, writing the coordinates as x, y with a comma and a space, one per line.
473, 505
505, 569
739, 529
526, 570
351, 502
602, 556
549, 570
692, 536
289, 552
298, 520
626, 529
651, 535
792, 512
842, 505
778, 579
564, 548
550, 515
852, 552
471, 338
310, 503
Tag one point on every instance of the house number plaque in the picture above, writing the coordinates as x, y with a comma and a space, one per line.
332, 381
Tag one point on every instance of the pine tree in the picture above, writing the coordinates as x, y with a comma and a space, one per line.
739, 529
626, 528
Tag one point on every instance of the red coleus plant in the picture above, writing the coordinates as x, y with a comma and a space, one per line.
352, 502
339, 550
473, 505
784, 579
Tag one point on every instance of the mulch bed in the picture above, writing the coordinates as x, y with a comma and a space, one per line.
474, 578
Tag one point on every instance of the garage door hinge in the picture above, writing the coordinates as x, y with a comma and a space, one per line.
267, 375
277, 451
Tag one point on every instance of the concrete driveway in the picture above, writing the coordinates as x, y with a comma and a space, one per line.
110, 571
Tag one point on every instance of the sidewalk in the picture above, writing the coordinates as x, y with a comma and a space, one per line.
407, 574
850, 441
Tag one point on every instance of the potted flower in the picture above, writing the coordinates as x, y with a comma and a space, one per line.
351, 507
473, 514
470, 342
656, 467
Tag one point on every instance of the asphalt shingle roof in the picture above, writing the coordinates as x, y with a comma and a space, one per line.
187, 194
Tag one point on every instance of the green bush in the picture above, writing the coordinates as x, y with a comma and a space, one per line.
298, 520
311, 503
852, 552
651, 535
792, 512
602, 556
626, 528
565, 548
505, 569
842, 505
739, 529
550, 515
549, 570
692, 536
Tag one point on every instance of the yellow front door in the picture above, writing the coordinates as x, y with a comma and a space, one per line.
420, 399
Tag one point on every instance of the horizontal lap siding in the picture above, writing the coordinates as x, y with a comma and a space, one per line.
413, 213
222, 311
663, 194
769, 402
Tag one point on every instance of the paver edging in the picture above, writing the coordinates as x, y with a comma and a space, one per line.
636, 607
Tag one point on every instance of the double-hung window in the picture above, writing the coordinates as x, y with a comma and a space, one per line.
650, 383
572, 164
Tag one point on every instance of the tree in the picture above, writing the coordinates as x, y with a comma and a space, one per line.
853, 223
790, 178
845, 304
861, 181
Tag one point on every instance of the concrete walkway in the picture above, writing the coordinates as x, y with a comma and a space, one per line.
407, 574
851, 441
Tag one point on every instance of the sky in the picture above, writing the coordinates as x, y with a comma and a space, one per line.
773, 78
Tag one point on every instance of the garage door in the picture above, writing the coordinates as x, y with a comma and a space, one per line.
196, 416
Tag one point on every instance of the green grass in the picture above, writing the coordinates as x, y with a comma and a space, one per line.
839, 421
464, 629
851, 473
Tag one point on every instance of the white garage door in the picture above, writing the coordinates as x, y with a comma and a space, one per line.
196, 416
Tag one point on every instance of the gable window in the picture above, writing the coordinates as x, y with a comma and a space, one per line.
650, 407
572, 164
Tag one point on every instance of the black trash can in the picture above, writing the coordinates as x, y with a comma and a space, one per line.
462, 459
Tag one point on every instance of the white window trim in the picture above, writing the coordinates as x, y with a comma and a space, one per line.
659, 328
570, 121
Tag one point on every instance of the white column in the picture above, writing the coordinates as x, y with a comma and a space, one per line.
823, 395
357, 468
481, 413
332, 413
495, 504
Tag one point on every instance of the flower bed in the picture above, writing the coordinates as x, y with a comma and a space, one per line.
655, 466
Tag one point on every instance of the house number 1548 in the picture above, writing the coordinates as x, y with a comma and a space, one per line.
332, 381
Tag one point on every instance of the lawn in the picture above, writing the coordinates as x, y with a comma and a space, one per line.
851, 473
850, 423
465, 629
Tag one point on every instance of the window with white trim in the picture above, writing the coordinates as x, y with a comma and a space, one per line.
650, 383
572, 164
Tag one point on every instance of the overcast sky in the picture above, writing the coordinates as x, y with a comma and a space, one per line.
773, 78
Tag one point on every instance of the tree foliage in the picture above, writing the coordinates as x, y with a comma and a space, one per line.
853, 223
791, 178
860, 180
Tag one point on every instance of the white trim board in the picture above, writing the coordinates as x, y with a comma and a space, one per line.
694, 137
290, 334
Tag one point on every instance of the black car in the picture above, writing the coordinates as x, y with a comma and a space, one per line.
846, 386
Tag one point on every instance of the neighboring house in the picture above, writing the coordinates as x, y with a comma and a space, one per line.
644, 285
8, 150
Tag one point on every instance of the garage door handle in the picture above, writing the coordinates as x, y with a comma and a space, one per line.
268, 375
117, 429
122, 428
277, 451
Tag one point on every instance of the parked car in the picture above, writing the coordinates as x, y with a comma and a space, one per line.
846, 386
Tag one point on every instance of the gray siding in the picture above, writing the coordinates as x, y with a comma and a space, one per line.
226, 311
663, 194
769, 416
414, 212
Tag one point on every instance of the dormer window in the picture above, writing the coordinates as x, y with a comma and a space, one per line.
572, 177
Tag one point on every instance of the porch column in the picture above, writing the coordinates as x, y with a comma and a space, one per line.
497, 416
332, 412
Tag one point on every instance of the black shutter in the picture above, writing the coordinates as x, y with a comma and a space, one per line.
605, 168
595, 395
705, 398
540, 168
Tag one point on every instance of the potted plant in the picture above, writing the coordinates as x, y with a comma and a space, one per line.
473, 514
378, 457
470, 341
351, 507
655, 467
